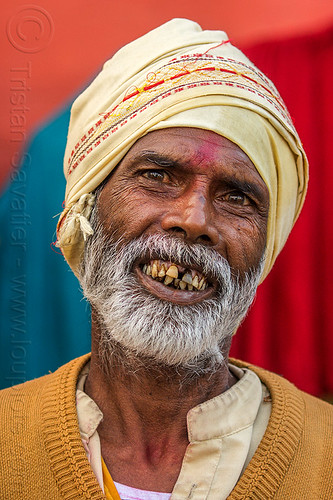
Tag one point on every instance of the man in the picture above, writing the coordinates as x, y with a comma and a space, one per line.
184, 176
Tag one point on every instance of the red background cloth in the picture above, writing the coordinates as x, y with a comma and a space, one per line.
289, 329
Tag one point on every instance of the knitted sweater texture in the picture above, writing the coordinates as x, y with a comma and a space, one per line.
43, 457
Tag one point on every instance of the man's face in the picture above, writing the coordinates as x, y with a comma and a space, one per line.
195, 185
183, 206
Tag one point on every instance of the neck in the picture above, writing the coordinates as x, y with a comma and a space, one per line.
146, 404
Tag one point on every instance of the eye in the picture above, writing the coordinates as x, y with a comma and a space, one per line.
156, 175
237, 198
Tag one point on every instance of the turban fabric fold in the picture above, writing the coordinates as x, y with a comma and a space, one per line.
181, 76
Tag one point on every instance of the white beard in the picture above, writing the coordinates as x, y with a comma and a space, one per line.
191, 336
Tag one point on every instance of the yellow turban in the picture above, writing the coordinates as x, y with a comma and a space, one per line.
179, 75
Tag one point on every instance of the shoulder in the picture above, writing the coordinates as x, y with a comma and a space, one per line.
40, 442
26, 399
296, 450
281, 390
296, 417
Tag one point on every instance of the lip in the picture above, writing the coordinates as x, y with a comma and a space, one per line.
180, 297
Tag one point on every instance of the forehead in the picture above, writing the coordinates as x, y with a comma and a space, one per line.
194, 148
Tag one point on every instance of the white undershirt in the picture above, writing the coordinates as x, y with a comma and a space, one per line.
128, 493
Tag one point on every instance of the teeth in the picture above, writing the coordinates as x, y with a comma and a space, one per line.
201, 283
191, 279
168, 280
172, 271
154, 270
187, 278
161, 274
195, 281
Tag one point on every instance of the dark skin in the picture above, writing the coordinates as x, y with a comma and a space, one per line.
198, 186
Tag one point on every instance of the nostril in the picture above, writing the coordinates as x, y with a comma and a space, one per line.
204, 238
180, 232
177, 231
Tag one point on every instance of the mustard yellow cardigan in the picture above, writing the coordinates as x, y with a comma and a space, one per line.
42, 457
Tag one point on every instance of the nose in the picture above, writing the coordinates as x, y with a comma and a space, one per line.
190, 217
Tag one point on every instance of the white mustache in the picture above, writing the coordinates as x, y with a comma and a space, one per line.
195, 256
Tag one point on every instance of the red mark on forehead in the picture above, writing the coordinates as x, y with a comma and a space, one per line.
207, 153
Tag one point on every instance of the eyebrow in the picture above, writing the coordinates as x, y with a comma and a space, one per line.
157, 158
